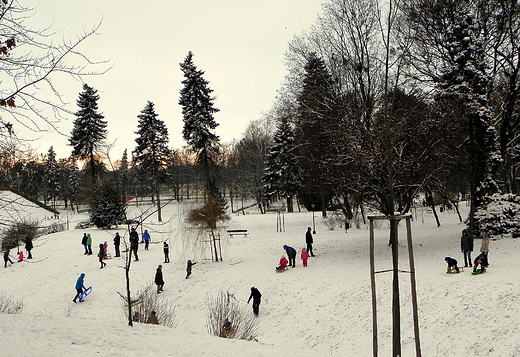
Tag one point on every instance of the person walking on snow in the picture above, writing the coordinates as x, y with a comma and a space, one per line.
117, 242
80, 286
134, 243
7, 258
84, 242
146, 238
159, 279
89, 244
28, 247
291, 253
304, 257
466, 246
101, 255
166, 252
256, 296
309, 241
188, 268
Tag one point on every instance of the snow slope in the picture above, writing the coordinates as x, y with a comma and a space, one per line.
321, 310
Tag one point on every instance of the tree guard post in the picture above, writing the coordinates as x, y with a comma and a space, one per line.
413, 286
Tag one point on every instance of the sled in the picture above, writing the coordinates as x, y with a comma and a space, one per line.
84, 294
479, 271
453, 271
280, 270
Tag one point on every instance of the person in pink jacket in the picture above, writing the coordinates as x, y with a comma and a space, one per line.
304, 257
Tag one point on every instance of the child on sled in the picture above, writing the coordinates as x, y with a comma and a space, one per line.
283, 264
452, 265
479, 260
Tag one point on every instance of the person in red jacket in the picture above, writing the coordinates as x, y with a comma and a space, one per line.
283, 263
304, 257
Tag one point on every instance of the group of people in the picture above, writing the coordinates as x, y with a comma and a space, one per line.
466, 247
291, 253
21, 257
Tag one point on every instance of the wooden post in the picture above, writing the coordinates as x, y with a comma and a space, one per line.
413, 289
373, 288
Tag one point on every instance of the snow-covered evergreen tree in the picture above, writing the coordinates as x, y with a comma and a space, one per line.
151, 152
107, 209
89, 132
52, 178
465, 79
282, 176
197, 111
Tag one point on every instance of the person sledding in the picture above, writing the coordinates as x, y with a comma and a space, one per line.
283, 264
479, 260
452, 265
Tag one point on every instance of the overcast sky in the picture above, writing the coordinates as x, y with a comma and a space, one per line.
240, 45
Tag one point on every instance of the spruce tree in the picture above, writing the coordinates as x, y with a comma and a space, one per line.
315, 115
466, 80
151, 152
123, 175
282, 175
89, 132
52, 178
107, 209
197, 111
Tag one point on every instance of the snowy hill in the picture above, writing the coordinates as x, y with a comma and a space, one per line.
320, 310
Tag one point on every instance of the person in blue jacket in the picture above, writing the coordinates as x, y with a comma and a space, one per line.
146, 239
291, 253
80, 286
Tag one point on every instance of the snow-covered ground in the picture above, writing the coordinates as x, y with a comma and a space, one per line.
320, 310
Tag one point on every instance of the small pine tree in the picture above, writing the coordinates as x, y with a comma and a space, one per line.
52, 178
107, 208
123, 175
74, 184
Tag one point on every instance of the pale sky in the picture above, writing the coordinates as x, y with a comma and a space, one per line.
240, 45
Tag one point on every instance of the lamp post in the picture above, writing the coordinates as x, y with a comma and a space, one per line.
313, 223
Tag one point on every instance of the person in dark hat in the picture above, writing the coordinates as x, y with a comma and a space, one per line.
309, 241
159, 279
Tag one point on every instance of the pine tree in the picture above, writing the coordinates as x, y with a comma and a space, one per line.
197, 111
282, 175
52, 178
315, 115
151, 152
107, 208
89, 132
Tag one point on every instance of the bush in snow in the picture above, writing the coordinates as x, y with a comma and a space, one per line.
12, 236
243, 325
107, 208
500, 214
147, 302
10, 305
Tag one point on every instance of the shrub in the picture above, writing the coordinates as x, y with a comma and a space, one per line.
149, 301
10, 305
243, 325
18, 233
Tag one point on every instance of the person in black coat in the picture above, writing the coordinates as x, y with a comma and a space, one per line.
466, 246
101, 255
188, 268
84, 242
166, 250
256, 296
117, 242
134, 243
28, 247
452, 264
291, 254
309, 241
159, 279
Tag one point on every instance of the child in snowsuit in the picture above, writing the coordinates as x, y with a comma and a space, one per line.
452, 264
283, 263
304, 257
20, 256
479, 260
188, 268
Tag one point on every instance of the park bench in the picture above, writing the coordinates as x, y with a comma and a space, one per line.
234, 232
